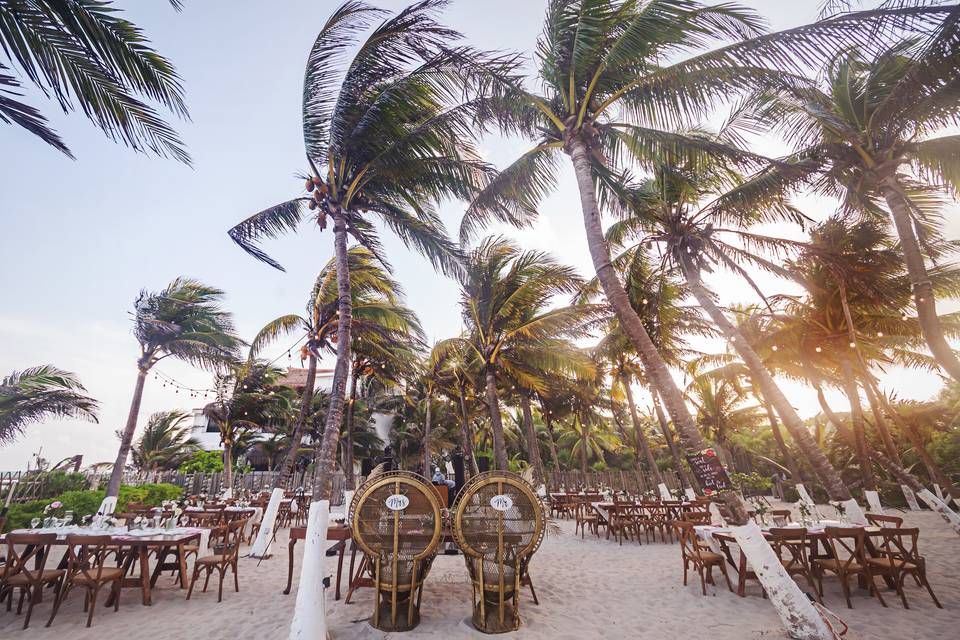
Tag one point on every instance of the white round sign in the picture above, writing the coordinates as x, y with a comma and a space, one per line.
397, 502
501, 502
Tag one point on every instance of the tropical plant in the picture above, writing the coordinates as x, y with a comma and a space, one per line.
391, 138
36, 393
85, 54
880, 113
203, 462
183, 321
511, 332
165, 442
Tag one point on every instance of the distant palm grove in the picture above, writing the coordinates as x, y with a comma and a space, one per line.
656, 109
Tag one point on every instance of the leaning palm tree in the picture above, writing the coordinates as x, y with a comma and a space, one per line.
86, 55
390, 139
511, 331
376, 311
183, 321
877, 115
36, 393
607, 92
165, 442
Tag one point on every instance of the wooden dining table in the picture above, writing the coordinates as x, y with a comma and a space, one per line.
817, 540
140, 547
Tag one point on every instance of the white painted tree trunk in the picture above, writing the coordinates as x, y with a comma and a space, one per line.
941, 507
805, 497
347, 500
310, 614
261, 546
911, 497
227, 494
937, 490
690, 494
664, 492
873, 499
854, 512
108, 506
799, 616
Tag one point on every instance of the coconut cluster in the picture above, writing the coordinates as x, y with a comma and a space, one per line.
319, 190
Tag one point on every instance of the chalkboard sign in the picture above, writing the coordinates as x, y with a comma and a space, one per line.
709, 471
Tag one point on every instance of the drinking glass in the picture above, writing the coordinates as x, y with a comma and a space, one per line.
67, 518
34, 523
47, 522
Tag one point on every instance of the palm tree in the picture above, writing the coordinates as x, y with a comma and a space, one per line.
457, 378
511, 332
721, 411
876, 116
36, 393
183, 321
606, 93
587, 433
165, 442
696, 218
377, 317
391, 139
84, 54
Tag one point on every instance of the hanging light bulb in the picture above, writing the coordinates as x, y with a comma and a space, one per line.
774, 348
644, 301
853, 345
879, 334
818, 349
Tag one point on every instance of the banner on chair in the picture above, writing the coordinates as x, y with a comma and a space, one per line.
709, 471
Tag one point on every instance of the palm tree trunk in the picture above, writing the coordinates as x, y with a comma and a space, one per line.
496, 423
467, 436
228, 467
856, 418
583, 450
653, 363
126, 440
881, 420
306, 399
782, 445
426, 437
331, 430
533, 444
685, 479
349, 480
768, 387
913, 434
923, 297
641, 443
551, 439
902, 475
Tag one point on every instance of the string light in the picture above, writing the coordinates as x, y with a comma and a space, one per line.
773, 348
819, 349
879, 334
853, 345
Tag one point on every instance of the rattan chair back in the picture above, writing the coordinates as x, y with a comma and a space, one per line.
499, 523
396, 521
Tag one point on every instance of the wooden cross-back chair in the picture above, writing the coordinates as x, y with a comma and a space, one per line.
499, 524
88, 569
226, 558
27, 570
897, 558
396, 522
880, 520
791, 545
847, 548
702, 559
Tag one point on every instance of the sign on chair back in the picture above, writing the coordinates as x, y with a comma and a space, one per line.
395, 519
498, 523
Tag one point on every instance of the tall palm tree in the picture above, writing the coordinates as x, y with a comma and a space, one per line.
183, 321
876, 115
606, 92
377, 316
391, 138
510, 329
722, 410
165, 442
86, 55
697, 218
36, 393
457, 379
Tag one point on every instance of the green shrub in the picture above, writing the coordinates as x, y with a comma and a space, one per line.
751, 484
203, 462
86, 503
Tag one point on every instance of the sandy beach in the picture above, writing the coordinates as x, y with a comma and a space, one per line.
590, 588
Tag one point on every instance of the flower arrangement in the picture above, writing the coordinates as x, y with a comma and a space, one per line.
806, 514
53, 509
841, 510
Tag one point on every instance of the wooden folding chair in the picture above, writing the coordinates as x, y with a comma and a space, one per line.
220, 562
791, 544
846, 545
702, 559
898, 557
88, 569
27, 571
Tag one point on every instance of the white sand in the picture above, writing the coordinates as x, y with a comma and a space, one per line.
587, 589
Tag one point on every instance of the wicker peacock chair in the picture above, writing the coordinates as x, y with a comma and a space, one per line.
498, 523
396, 521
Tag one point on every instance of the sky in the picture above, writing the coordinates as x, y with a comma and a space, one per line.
80, 238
